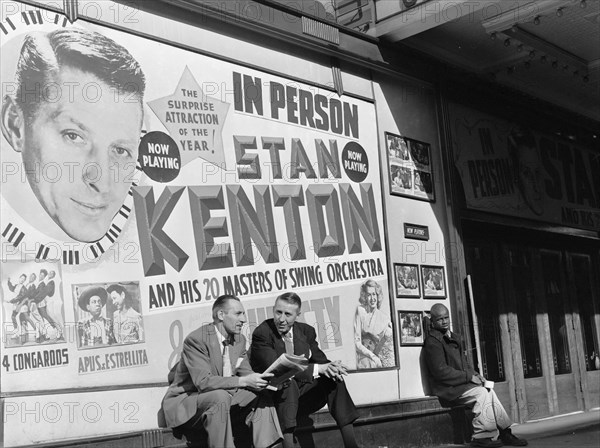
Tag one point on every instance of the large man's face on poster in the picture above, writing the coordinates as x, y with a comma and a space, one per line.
88, 135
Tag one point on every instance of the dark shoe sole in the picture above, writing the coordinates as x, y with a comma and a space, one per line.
488, 444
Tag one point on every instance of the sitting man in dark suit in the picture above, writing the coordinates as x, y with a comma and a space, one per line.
321, 383
213, 380
455, 382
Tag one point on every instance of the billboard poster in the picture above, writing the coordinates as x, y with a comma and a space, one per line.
144, 180
508, 169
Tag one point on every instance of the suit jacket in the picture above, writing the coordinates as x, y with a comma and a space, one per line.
50, 287
21, 294
200, 369
267, 345
25, 293
448, 369
40, 292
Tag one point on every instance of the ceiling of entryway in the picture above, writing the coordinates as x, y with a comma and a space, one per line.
549, 49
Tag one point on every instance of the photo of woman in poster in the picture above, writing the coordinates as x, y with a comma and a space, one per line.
434, 284
73, 125
423, 182
108, 314
411, 327
407, 280
373, 335
401, 178
127, 321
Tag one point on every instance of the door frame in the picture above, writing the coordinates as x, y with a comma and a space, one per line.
510, 337
583, 373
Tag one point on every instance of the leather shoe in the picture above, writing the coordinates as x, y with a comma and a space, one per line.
487, 442
508, 438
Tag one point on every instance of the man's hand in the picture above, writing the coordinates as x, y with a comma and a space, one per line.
477, 379
255, 380
334, 370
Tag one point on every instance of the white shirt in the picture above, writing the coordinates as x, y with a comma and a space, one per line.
221, 339
289, 334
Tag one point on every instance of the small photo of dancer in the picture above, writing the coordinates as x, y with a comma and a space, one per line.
32, 303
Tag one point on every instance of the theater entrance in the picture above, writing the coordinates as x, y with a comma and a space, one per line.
538, 312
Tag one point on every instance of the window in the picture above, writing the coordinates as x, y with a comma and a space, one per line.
520, 265
585, 301
485, 292
555, 302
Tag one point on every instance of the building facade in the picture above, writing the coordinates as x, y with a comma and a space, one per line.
173, 151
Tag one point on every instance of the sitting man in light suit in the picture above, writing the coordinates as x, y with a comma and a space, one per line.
322, 383
214, 380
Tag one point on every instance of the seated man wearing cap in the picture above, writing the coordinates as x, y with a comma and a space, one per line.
213, 382
455, 382
95, 330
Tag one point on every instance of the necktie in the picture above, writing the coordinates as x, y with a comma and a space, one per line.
226, 359
289, 344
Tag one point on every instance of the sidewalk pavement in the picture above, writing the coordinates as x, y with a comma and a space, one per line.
552, 426
559, 424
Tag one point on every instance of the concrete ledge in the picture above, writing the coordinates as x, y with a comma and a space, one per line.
421, 423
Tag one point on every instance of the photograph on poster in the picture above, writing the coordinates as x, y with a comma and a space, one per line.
407, 280
419, 153
397, 147
97, 255
32, 303
108, 314
411, 327
434, 283
373, 334
401, 177
423, 182
82, 206
409, 167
